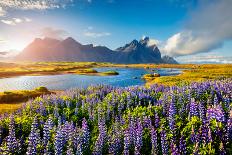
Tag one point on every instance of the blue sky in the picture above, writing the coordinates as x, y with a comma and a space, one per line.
179, 27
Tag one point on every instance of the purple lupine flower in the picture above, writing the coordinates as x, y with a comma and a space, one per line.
171, 116
157, 121
12, 143
132, 127
174, 148
182, 145
215, 112
202, 111
102, 138
59, 141
194, 136
193, 108
34, 138
126, 142
164, 142
47, 130
147, 121
139, 138
154, 137
204, 133
85, 135
115, 141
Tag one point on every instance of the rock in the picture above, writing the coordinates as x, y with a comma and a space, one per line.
156, 75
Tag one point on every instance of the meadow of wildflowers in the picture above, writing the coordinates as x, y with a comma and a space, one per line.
191, 119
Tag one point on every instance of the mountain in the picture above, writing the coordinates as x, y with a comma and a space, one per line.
49, 49
139, 52
169, 60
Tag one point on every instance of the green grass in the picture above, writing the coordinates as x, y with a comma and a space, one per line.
22, 95
197, 73
110, 73
86, 71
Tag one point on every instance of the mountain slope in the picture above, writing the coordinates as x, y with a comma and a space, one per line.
139, 52
49, 49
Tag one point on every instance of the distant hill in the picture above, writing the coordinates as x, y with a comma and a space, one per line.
49, 49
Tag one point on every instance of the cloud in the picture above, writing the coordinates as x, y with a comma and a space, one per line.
53, 33
151, 41
15, 21
5, 5
210, 26
96, 35
212, 58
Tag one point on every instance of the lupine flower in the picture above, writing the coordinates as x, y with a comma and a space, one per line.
59, 141
171, 116
47, 131
139, 136
182, 145
174, 149
101, 140
85, 135
154, 137
193, 108
12, 143
126, 142
164, 142
34, 138
215, 113
115, 141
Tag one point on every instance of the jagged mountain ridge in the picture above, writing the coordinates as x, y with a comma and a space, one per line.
49, 49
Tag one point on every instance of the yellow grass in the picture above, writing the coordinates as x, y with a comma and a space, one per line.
196, 74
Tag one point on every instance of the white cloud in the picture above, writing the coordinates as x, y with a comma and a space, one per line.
205, 58
96, 35
5, 5
8, 22
15, 21
210, 26
153, 42
53, 33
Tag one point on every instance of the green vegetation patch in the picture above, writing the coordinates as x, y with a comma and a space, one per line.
110, 73
22, 95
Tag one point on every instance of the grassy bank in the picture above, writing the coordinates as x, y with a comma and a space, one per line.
196, 73
11, 100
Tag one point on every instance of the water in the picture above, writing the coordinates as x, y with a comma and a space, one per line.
67, 81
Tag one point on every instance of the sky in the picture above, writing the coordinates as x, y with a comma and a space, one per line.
192, 31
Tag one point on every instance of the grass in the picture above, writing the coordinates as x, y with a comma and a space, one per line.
22, 95
110, 73
196, 74
6, 107
12, 100
86, 71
